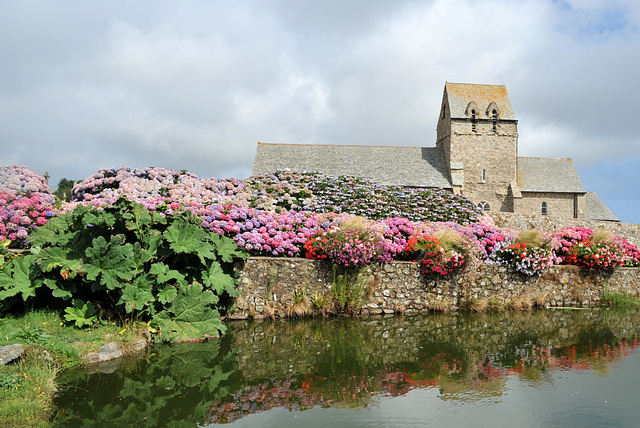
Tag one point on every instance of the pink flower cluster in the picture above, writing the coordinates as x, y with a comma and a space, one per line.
563, 239
150, 183
630, 251
259, 232
18, 179
19, 214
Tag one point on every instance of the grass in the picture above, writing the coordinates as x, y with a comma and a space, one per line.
27, 385
610, 298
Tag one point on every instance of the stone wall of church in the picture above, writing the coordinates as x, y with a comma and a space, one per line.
558, 204
493, 153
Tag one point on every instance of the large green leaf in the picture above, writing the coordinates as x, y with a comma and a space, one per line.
151, 241
137, 295
111, 261
63, 290
62, 258
137, 219
81, 313
227, 249
185, 237
166, 293
54, 232
165, 274
99, 218
20, 276
219, 281
191, 316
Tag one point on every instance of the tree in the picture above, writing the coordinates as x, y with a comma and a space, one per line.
64, 189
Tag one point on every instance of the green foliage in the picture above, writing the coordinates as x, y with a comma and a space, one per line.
81, 313
10, 381
63, 192
174, 387
348, 289
21, 276
612, 298
4, 256
190, 316
31, 335
129, 262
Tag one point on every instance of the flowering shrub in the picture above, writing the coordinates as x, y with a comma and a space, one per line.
276, 214
260, 232
321, 193
630, 251
19, 214
18, 179
441, 255
347, 247
527, 259
595, 255
149, 183
563, 239
488, 236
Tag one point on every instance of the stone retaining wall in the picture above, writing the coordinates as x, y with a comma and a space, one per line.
268, 287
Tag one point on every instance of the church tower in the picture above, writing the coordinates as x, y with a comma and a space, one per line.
478, 133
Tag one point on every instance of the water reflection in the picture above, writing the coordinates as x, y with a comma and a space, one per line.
348, 364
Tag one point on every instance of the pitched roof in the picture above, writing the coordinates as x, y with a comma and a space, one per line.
404, 166
548, 175
459, 96
598, 210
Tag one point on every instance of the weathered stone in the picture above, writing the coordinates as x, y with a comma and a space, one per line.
107, 352
400, 284
139, 345
9, 353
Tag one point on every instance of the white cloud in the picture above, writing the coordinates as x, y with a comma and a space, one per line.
194, 85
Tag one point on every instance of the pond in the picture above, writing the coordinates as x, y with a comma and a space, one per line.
548, 368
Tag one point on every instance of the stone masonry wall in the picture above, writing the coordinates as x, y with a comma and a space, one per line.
268, 287
558, 204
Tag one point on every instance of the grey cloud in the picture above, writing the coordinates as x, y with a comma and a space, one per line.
196, 84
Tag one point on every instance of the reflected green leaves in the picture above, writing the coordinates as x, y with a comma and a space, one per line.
347, 363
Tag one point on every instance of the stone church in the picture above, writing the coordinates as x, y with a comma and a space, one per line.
476, 154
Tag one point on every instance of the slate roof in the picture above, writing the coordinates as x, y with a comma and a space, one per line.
548, 175
459, 95
598, 210
403, 166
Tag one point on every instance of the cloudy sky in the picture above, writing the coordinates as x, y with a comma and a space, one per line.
196, 84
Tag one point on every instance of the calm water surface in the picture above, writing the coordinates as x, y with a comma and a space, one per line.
552, 368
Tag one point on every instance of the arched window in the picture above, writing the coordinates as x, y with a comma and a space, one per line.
544, 208
484, 206
484, 175
474, 121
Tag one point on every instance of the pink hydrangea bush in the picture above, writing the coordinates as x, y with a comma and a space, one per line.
18, 179
351, 241
631, 252
150, 183
20, 213
563, 239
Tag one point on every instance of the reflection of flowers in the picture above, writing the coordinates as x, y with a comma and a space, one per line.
345, 390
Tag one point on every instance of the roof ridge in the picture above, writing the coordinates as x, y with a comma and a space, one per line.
342, 145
